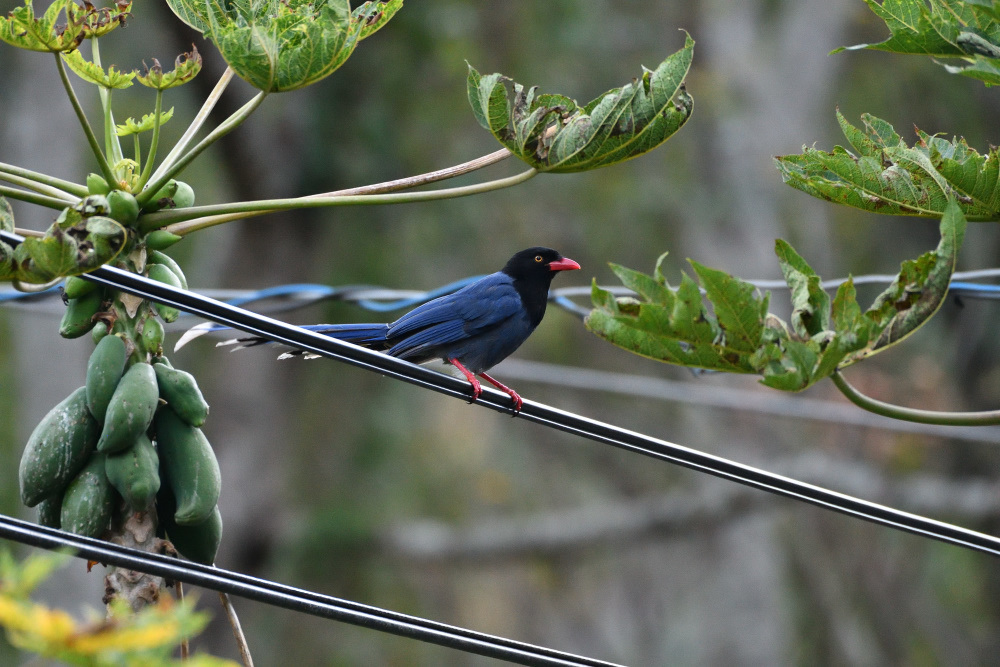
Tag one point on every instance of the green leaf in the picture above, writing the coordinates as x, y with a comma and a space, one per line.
147, 123
280, 46
810, 303
887, 176
376, 15
94, 73
738, 335
919, 289
954, 29
554, 133
186, 67
80, 240
62, 27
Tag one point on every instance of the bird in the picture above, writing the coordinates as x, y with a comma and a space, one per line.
473, 328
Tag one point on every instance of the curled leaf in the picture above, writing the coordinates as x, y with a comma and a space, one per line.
280, 46
554, 133
961, 31
884, 175
63, 25
738, 335
80, 240
186, 67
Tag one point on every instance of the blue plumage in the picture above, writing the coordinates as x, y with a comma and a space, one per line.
474, 328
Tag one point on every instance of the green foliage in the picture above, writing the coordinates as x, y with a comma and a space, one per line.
738, 335
95, 74
553, 133
147, 637
81, 240
62, 27
282, 46
969, 31
145, 124
884, 175
186, 67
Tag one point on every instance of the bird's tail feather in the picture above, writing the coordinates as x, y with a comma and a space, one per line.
368, 335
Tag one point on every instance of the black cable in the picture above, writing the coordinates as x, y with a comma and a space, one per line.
288, 597
536, 412
594, 430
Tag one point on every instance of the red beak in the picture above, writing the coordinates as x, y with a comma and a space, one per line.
564, 264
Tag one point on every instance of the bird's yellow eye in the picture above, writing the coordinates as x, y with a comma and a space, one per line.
538, 258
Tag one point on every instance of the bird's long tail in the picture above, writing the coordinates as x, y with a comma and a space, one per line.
367, 335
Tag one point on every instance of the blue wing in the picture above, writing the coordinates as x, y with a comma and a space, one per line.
450, 319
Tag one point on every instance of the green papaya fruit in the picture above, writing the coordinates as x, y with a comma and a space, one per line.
123, 207
79, 316
152, 335
157, 257
161, 239
198, 542
75, 287
58, 448
180, 390
130, 410
104, 370
135, 473
163, 274
49, 511
89, 500
189, 466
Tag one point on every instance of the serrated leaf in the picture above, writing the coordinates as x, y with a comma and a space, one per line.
94, 73
810, 303
280, 46
554, 133
952, 29
145, 124
887, 176
738, 335
62, 27
919, 289
186, 67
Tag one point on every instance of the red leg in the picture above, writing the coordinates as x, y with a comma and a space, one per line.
518, 403
477, 389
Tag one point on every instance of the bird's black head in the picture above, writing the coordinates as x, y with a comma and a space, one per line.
533, 270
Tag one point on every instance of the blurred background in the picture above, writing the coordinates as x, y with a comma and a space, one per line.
358, 486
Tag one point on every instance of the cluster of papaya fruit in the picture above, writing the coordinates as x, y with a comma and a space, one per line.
130, 439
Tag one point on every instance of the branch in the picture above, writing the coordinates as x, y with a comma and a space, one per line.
987, 418
222, 130
33, 198
67, 187
38, 187
195, 125
198, 215
377, 188
109, 174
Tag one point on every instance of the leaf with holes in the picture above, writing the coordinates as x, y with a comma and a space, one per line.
884, 175
554, 133
738, 335
965, 32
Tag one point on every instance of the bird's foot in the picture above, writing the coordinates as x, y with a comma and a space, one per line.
518, 402
477, 388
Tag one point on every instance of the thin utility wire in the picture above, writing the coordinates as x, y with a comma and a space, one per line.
638, 443
288, 597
